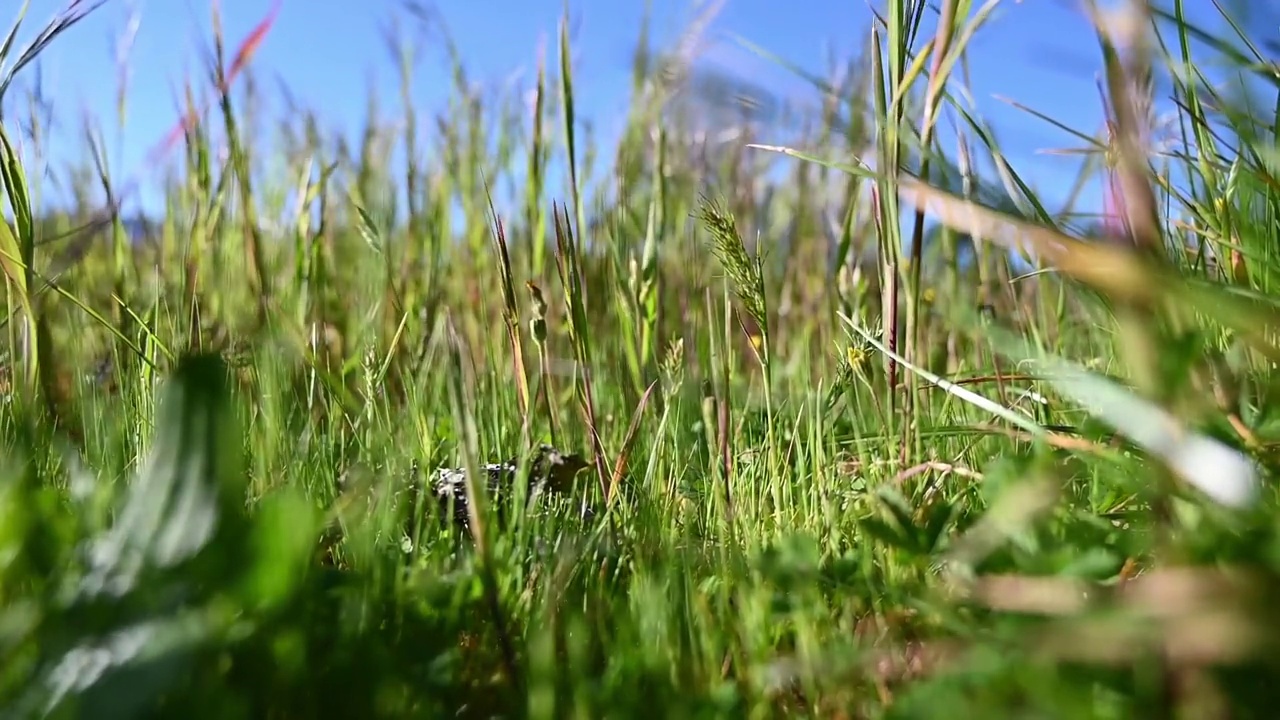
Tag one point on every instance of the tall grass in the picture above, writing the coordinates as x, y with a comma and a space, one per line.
847, 459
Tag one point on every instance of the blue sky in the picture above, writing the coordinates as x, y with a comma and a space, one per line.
1037, 52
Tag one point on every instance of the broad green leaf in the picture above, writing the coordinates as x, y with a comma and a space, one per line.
191, 482
284, 532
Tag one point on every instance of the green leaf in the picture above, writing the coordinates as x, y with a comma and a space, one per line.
898, 508
885, 533
121, 674
191, 483
369, 230
284, 532
939, 517
1096, 564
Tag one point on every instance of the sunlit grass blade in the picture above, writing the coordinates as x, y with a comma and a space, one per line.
1224, 474
1017, 419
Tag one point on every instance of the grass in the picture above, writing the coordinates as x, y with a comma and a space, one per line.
836, 474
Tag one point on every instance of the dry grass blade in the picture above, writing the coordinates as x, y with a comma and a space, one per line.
1212, 637
510, 312
1191, 615
1028, 594
1199, 616
620, 465
1116, 271
1113, 270
1129, 85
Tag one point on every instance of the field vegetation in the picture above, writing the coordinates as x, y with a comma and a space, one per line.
873, 430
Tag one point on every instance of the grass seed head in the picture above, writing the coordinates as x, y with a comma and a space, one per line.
745, 272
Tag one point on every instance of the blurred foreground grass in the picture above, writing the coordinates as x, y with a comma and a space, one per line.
843, 465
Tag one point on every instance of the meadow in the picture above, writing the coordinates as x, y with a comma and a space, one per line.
871, 430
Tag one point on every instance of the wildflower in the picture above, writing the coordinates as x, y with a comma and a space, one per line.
855, 356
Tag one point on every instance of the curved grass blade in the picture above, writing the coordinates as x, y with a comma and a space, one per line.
968, 396
1221, 472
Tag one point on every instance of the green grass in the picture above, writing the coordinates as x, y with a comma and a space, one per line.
833, 477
